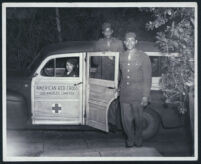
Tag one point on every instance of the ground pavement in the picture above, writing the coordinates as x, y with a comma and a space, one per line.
60, 143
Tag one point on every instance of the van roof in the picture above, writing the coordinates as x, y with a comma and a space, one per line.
68, 47
88, 46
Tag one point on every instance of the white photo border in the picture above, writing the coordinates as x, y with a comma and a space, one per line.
99, 5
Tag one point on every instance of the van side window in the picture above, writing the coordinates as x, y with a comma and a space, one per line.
157, 65
102, 67
62, 67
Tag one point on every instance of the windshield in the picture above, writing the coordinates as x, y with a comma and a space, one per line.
34, 64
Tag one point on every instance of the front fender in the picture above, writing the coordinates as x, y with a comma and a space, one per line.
16, 111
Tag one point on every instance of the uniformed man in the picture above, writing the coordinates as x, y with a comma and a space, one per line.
135, 84
108, 43
105, 65
105, 68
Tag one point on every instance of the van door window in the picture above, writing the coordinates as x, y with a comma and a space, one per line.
102, 67
62, 67
157, 65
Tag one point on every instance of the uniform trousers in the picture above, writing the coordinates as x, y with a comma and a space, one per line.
132, 120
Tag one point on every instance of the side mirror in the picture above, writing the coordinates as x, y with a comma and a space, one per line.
35, 74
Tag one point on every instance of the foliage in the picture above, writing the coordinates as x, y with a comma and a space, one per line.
24, 35
175, 35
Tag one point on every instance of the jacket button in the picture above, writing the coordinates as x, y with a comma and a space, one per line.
128, 70
128, 63
127, 83
128, 77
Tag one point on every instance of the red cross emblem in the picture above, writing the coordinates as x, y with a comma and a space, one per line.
56, 108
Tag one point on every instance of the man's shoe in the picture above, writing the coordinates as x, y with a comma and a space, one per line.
129, 146
129, 143
138, 142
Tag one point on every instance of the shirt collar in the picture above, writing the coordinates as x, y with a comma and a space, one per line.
132, 52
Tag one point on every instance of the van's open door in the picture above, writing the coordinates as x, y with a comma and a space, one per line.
102, 82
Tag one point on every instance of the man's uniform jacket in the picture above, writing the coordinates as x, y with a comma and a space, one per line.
135, 75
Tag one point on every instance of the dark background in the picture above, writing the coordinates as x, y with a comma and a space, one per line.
30, 29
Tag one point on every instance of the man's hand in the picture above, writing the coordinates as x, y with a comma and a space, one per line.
110, 57
144, 101
117, 91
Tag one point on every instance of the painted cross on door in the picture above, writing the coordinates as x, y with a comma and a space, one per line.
56, 108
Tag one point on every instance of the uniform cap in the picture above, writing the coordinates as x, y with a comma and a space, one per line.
106, 25
130, 35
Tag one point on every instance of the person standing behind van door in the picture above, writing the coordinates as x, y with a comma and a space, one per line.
135, 85
108, 43
106, 66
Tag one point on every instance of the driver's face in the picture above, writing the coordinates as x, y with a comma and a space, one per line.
69, 66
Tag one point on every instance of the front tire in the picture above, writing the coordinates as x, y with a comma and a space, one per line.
151, 123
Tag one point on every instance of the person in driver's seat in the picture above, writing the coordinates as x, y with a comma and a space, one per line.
72, 68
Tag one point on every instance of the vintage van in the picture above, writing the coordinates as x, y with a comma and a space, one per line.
44, 98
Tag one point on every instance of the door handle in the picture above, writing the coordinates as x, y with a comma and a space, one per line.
111, 87
78, 83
